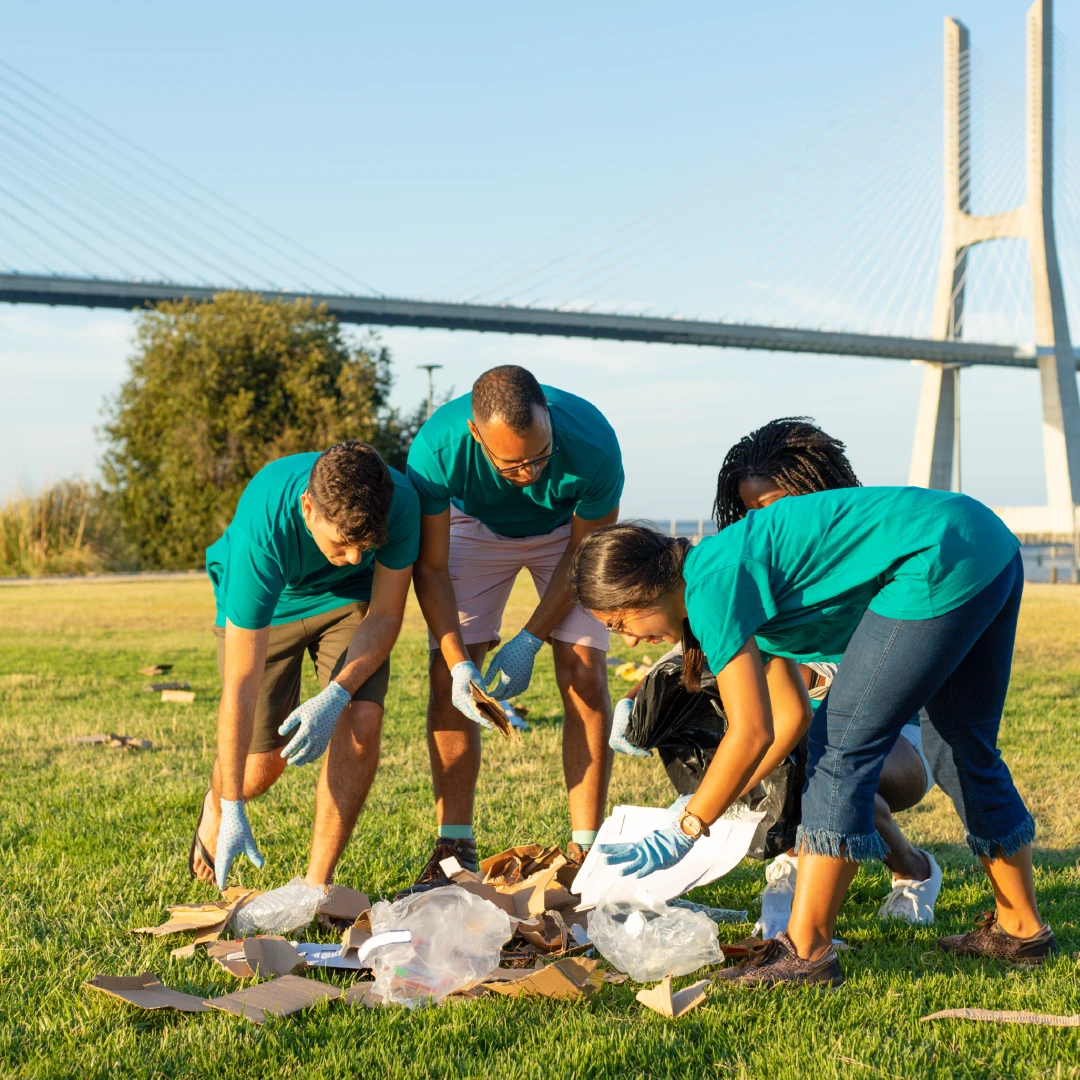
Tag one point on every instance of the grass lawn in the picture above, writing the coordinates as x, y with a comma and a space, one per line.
93, 842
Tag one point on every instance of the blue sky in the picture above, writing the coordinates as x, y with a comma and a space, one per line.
418, 144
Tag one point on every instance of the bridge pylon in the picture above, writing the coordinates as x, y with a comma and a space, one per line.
935, 454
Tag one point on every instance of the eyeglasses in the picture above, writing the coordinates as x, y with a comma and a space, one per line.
531, 463
616, 628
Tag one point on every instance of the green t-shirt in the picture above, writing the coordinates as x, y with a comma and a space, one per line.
585, 477
800, 574
266, 568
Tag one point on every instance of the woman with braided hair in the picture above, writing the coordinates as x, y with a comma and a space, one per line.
918, 592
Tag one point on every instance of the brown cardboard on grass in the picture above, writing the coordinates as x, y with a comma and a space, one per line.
567, 980
260, 957
155, 669
492, 710
146, 991
178, 697
1006, 1017
153, 688
343, 904
116, 742
660, 998
209, 919
517, 863
278, 997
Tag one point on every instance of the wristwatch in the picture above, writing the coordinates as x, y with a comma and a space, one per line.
691, 825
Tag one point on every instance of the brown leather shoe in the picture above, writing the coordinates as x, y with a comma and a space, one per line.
989, 940
432, 876
775, 962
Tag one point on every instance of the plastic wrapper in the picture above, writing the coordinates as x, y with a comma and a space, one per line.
685, 729
717, 914
649, 939
280, 910
456, 939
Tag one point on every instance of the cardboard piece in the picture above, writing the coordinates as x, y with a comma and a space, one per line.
660, 999
566, 980
184, 952
316, 954
492, 710
153, 688
178, 697
355, 937
517, 863
278, 997
343, 904
1005, 1017
116, 742
155, 669
257, 957
146, 991
210, 920
362, 994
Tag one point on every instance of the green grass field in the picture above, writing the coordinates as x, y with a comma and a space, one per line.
93, 842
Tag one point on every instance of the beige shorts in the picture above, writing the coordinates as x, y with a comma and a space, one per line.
483, 568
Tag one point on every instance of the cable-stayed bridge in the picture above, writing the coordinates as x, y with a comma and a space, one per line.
933, 224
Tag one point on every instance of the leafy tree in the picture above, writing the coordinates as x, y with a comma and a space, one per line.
218, 389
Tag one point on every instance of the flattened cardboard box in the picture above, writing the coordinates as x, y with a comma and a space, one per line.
146, 992
260, 957
278, 997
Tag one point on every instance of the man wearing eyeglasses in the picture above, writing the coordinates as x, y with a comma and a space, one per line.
511, 477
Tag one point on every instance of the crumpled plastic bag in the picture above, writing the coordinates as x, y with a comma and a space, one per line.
649, 939
456, 939
280, 910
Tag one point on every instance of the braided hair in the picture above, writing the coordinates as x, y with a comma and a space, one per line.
792, 452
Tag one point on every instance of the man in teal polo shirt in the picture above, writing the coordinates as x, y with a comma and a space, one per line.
317, 559
511, 476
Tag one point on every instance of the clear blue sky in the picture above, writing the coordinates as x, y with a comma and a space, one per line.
414, 143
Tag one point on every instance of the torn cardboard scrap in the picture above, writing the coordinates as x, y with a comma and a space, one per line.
492, 710
155, 669
153, 688
567, 980
210, 919
1005, 1017
278, 997
316, 954
343, 904
146, 991
660, 998
178, 697
261, 957
116, 742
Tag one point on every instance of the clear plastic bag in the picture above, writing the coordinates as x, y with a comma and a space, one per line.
279, 910
649, 939
456, 938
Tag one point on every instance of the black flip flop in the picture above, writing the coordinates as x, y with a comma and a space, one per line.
197, 846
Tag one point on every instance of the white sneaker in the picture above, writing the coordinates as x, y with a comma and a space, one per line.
777, 896
913, 901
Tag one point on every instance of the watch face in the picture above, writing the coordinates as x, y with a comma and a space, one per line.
691, 825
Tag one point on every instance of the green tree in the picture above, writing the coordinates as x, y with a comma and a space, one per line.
218, 389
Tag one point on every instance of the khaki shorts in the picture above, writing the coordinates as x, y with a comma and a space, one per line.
484, 566
326, 639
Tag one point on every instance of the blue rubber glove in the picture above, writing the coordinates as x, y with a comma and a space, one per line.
234, 836
513, 664
657, 851
464, 674
317, 717
618, 740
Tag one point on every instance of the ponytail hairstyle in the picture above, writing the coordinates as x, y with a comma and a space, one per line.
630, 567
792, 452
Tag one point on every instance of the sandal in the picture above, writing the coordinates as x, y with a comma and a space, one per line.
197, 846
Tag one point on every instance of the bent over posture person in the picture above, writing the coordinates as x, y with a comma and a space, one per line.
511, 476
918, 591
317, 560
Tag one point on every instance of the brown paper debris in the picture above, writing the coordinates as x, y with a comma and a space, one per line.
660, 999
155, 669
616, 978
278, 997
146, 991
260, 957
362, 994
209, 919
153, 688
568, 980
184, 952
492, 710
343, 904
517, 863
178, 697
1005, 1017
116, 742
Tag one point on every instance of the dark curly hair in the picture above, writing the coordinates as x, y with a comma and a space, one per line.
792, 452
351, 488
508, 392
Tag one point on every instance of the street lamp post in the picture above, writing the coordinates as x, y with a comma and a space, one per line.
429, 368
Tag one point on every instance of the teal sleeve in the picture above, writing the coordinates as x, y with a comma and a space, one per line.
606, 488
403, 532
251, 584
727, 606
425, 471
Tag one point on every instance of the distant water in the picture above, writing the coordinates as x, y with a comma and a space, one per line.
1039, 559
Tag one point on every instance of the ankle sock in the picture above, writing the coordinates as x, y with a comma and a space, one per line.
456, 832
584, 837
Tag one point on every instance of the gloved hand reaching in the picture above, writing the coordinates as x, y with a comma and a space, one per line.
464, 675
234, 836
514, 664
619, 722
317, 717
656, 851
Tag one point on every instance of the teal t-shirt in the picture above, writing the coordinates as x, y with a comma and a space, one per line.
800, 574
585, 477
266, 568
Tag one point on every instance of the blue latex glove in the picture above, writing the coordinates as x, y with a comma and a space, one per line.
464, 674
513, 664
618, 740
657, 851
317, 717
234, 836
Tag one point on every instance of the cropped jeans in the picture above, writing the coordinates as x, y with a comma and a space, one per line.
956, 665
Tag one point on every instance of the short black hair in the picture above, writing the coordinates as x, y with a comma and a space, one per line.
509, 393
792, 452
351, 488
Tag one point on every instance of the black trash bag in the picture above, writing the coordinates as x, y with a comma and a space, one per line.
685, 729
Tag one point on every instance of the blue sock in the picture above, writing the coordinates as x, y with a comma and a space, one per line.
458, 832
584, 837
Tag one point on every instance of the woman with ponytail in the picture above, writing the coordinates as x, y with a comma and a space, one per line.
918, 591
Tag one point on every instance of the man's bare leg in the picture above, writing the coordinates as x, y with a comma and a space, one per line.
453, 743
581, 673
348, 770
260, 772
902, 786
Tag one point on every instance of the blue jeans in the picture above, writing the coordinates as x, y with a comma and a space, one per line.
957, 665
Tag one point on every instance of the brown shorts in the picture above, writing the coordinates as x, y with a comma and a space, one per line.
326, 639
